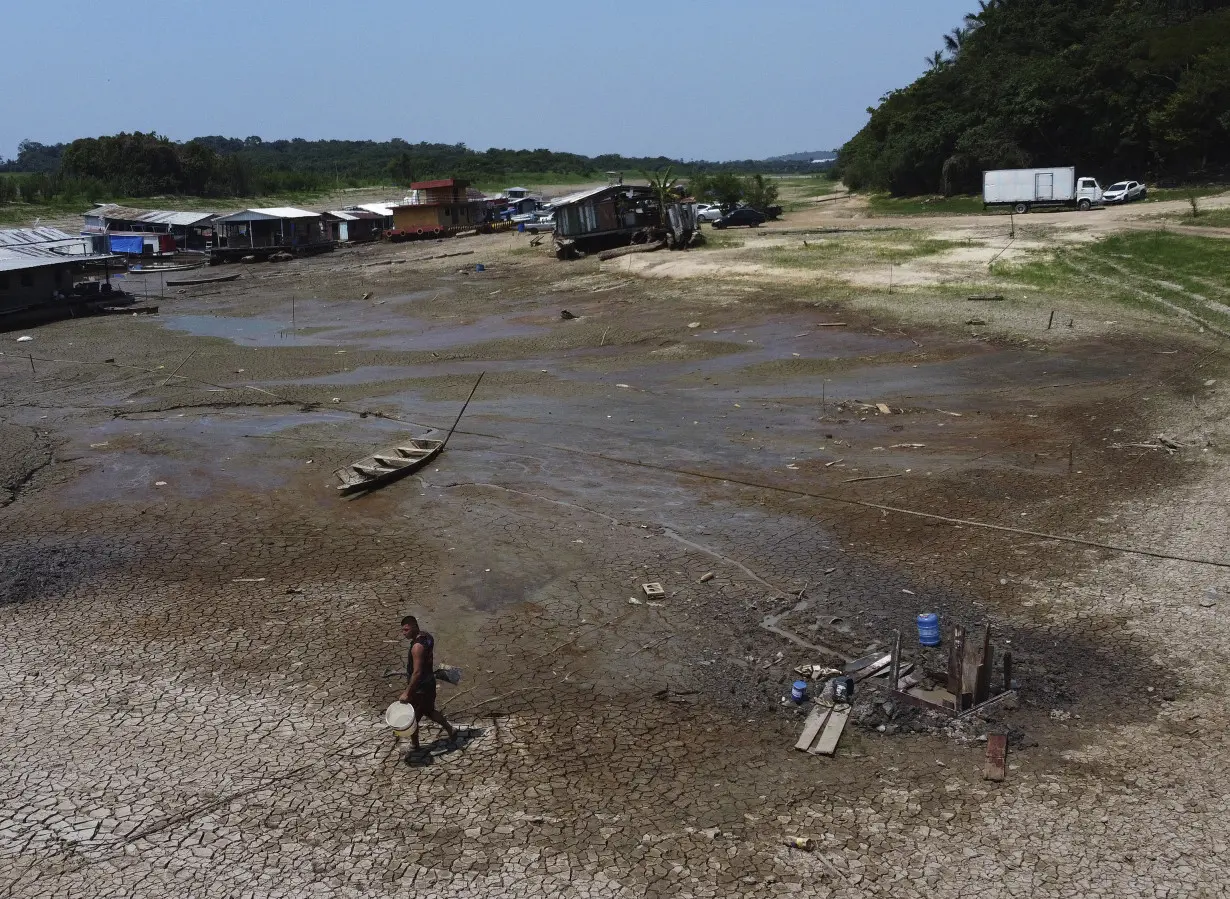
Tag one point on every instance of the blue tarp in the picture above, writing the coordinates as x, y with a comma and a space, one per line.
124, 244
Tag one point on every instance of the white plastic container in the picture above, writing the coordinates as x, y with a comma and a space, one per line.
400, 716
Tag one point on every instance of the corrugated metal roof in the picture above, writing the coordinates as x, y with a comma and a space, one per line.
14, 237
439, 182
381, 209
355, 215
594, 191
23, 248
150, 216
268, 214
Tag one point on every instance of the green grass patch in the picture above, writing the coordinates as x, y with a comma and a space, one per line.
1212, 218
883, 204
1157, 271
893, 246
1162, 194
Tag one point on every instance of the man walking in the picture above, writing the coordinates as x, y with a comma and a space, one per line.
420, 689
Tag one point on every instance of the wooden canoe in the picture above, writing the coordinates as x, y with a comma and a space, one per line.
188, 282
387, 466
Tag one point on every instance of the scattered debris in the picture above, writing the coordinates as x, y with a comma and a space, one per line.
908, 446
883, 409
804, 843
986, 298
693, 324
878, 477
654, 590
23, 338
975, 321
566, 315
707, 577
248, 580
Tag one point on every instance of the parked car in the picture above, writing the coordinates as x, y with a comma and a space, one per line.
546, 223
708, 212
744, 215
1124, 192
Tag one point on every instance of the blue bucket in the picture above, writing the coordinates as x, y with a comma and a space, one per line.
929, 629
798, 690
480, 268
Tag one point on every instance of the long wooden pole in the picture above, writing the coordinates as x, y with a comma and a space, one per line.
449, 435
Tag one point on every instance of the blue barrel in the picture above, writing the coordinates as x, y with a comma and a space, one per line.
929, 629
798, 690
521, 227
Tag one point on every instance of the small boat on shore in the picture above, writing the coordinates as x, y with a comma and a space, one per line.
189, 282
387, 466
157, 269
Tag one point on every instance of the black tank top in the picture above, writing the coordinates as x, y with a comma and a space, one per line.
428, 642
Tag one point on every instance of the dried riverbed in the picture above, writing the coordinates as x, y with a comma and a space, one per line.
198, 630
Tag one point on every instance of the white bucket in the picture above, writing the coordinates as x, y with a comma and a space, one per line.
400, 716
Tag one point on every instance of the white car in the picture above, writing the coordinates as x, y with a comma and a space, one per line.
708, 212
1124, 192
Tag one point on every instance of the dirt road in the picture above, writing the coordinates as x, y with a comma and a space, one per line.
199, 636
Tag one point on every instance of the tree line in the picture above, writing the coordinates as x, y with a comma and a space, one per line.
1118, 88
144, 165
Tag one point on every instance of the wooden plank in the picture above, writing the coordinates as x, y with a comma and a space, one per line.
874, 668
883, 409
827, 744
997, 755
956, 652
811, 728
860, 664
969, 670
1007, 671
908, 697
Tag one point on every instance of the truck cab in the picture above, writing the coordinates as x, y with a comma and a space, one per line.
1088, 193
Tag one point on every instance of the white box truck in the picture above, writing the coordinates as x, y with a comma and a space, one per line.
1026, 189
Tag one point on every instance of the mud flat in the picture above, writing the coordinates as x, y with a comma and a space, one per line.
197, 633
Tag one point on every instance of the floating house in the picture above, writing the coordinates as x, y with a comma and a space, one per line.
617, 215
187, 230
43, 266
354, 225
437, 207
263, 232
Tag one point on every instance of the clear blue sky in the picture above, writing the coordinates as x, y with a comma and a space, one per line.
711, 79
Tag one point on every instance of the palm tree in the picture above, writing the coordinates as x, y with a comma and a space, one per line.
663, 183
955, 40
975, 20
936, 61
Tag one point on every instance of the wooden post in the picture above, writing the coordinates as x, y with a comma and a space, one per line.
982, 679
1051, 321
894, 667
32, 372
1007, 671
956, 653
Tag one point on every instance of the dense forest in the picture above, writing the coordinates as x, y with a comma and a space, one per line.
143, 165
1117, 88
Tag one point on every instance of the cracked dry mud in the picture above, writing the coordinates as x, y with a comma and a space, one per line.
197, 632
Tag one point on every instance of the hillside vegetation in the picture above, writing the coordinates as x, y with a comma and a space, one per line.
1117, 88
